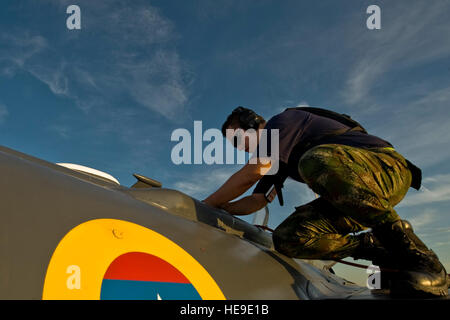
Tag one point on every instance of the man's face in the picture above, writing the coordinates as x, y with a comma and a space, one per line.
243, 140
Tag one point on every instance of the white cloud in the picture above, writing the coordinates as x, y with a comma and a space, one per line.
56, 79
408, 38
138, 58
166, 97
423, 219
434, 189
300, 104
16, 49
206, 182
420, 129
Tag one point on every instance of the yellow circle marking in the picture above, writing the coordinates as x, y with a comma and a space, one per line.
92, 246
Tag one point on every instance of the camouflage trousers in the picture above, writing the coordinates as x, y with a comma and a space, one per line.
358, 189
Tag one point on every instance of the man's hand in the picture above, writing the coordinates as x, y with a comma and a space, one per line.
237, 184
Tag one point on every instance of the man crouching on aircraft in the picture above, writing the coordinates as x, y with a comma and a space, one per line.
359, 177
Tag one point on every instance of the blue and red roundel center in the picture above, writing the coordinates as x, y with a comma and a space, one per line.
142, 276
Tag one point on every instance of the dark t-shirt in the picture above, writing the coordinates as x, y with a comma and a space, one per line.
298, 131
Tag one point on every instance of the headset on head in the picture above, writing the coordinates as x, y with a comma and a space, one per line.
248, 119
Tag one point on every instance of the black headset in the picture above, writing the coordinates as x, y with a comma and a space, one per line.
248, 119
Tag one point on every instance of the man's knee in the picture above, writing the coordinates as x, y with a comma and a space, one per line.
291, 244
285, 241
279, 240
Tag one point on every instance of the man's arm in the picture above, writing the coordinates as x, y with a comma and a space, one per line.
237, 184
250, 204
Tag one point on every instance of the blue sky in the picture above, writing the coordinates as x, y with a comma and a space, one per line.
109, 95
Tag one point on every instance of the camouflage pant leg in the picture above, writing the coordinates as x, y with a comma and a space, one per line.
358, 189
316, 230
364, 184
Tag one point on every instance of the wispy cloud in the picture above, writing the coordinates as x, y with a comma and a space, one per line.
55, 77
416, 38
420, 130
434, 189
139, 58
424, 219
16, 49
289, 104
204, 183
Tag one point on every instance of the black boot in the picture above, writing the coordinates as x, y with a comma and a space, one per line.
370, 248
421, 274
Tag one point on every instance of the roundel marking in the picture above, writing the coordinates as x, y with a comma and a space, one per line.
138, 275
98, 256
